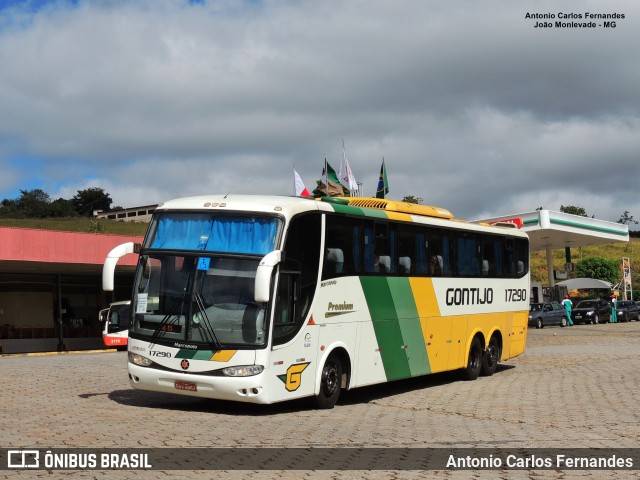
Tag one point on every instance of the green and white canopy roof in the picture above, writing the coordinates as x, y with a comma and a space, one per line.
549, 229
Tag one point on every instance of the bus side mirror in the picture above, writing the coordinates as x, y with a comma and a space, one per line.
109, 268
263, 275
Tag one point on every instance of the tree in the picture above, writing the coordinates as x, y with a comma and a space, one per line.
412, 199
573, 210
599, 268
8, 208
86, 201
627, 219
33, 203
61, 208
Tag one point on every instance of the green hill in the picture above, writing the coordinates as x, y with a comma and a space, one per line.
614, 251
80, 224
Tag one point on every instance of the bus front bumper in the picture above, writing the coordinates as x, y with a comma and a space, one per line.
240, 389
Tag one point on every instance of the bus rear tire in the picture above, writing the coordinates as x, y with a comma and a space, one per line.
330, 384
474, 364
491, 357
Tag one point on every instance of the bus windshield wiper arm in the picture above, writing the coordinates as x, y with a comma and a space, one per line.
214, 342
165, 320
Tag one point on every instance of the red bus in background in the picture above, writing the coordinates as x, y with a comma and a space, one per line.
114, 323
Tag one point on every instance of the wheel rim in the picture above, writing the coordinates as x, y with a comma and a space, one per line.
492, 354
330, 379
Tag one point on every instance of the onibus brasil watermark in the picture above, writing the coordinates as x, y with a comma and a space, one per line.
319, 458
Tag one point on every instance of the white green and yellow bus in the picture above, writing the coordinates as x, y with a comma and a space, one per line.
269, 298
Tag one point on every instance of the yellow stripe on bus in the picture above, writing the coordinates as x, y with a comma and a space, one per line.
401, 217
436, 330
223, 355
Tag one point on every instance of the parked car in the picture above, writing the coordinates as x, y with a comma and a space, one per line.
547, 313
591, 311
628, 310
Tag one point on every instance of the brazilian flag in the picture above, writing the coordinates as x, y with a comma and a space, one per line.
383, 184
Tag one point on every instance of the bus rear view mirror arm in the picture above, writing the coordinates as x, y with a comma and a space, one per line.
263, 275
109, 268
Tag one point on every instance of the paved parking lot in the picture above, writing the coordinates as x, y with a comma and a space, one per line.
574, 387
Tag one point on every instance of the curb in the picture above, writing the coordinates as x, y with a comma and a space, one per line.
44, 354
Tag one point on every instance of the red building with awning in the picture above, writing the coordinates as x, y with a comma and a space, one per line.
51, 291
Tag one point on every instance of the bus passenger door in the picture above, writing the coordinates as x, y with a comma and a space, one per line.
294, 344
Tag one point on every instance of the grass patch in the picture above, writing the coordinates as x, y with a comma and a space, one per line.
84, 225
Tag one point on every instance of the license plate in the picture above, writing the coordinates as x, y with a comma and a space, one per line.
578, 316
191, 387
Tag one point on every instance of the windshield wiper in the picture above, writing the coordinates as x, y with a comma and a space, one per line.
213, 342
166, 319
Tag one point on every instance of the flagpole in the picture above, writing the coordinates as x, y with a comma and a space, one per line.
326, 176
343, 165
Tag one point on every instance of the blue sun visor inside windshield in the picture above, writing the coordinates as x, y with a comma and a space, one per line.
226, 234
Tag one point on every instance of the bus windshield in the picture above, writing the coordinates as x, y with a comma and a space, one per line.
206, 301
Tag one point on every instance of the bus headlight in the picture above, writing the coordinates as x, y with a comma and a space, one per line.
139, 360
243, 370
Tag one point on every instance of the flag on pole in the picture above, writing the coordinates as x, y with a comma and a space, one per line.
383, 184
346, 175
300, 189
332, 186
330, 173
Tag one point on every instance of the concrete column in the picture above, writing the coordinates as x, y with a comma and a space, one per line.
550, 266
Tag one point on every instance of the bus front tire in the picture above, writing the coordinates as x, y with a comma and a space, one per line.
330, 384
491, 357
474, 364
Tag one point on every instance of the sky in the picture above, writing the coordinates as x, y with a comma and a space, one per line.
473, 107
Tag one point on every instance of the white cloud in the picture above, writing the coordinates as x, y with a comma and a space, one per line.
472, 108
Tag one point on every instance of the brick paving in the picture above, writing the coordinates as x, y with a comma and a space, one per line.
574, 387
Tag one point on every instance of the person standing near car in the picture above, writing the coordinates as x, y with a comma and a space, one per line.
614, 309
566, 303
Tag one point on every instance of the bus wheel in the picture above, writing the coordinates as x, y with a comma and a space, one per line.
490, 357
474, 364
330, 383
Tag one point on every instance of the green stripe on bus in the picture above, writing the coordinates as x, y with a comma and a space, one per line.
347, 209
203, 355
184, 353
409, 322
362, 212
385, 325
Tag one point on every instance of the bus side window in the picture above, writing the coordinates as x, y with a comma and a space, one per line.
343, 246
286, 320
334, 261
440, 258
467, 255
385, 247
405, 265
407, 239
302, 246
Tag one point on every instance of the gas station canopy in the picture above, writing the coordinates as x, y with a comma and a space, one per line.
550, 230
